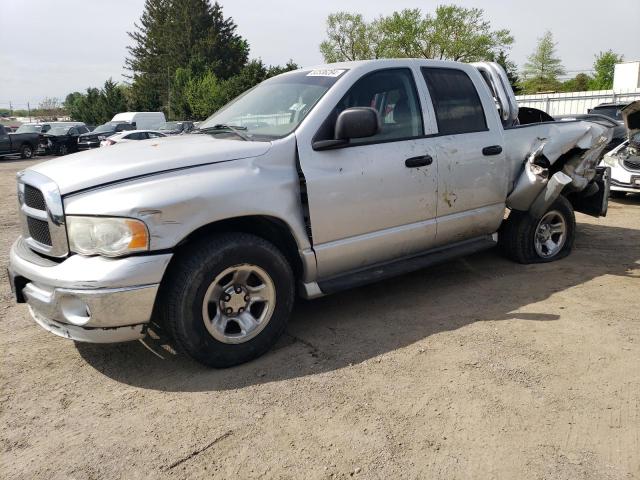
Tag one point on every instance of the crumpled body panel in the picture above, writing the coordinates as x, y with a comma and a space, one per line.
547, 158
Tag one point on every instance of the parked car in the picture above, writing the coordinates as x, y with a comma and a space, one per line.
316, 180
43, 127
25, 144
611, 110
93, 138
61, 139
619, 132
141, 120
124, 137
624, 160
177, 128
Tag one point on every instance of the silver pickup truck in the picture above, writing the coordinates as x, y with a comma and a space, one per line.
314, 181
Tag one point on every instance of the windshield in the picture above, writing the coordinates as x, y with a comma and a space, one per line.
274, 108
170, 126
611, 112
59, 130
107, 127
29, 129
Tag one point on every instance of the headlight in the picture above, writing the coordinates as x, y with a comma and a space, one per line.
111, 237
610, 161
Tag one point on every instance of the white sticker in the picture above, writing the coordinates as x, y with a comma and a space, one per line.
325, 72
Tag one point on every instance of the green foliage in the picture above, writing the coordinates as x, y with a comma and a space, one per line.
97, 106
180, 34
453, 33
604, 66
543, 68
579, 83
207, 94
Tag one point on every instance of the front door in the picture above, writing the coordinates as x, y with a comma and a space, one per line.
375, 199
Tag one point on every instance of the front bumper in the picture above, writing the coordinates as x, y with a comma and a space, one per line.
91, 299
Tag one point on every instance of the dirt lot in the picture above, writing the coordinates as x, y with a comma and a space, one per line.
479, 368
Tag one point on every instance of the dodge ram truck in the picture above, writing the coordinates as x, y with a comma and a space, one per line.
314, 181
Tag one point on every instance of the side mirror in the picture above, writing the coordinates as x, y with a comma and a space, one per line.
355, 122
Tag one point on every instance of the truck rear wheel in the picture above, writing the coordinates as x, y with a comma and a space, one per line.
525, 239
227, 299
26, 151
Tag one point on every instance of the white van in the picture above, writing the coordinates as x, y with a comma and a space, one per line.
142, 120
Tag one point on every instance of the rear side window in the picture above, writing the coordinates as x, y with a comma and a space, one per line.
136, 136
455, 101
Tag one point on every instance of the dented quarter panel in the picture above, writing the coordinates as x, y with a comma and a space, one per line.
551, 141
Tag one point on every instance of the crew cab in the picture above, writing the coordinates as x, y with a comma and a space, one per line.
317, 180
61, 139
24, 144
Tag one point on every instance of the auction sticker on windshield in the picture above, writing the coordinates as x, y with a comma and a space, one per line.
325, 72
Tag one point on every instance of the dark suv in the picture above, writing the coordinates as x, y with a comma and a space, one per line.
92, 139
611, 110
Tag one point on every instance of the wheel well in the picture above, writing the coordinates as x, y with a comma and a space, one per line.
271, 229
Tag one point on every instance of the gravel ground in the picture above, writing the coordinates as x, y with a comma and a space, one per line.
476, 369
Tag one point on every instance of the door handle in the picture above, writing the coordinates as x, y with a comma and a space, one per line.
415, 162
492, 150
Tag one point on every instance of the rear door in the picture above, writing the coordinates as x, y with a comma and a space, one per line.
472, 178
373, 200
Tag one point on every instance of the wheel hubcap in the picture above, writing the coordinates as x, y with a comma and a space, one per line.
239, 303
551, 234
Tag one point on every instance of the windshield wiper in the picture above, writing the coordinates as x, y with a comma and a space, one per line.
232, 128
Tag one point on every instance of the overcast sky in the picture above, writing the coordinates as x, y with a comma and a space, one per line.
49, 48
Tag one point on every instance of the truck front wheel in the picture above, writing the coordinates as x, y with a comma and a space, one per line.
227, 299
26, 151
525, 239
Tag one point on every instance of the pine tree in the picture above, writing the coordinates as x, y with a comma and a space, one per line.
542, 70
180, 34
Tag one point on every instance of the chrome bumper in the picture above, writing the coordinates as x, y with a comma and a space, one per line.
91, 299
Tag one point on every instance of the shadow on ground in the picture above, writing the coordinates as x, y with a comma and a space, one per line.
353, 326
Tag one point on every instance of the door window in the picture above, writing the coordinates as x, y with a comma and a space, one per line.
455, 101
392, 93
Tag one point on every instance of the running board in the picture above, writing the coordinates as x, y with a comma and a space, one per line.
405, 265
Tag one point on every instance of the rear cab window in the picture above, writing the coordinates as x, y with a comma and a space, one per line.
455, 100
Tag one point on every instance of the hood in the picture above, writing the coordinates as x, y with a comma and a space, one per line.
126, 160
93, 133
631, 117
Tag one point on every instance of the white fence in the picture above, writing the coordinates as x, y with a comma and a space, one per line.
573, 103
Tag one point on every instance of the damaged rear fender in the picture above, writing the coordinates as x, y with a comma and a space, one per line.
562, 163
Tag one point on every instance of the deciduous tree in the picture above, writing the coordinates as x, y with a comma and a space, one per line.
451, 33
604, 67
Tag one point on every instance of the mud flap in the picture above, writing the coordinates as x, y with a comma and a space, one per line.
594, 200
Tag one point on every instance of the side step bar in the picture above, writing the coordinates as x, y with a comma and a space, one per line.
405, 265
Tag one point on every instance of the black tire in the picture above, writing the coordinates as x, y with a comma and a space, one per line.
516, 237
191, 273
617, 194
26, 151
62, 150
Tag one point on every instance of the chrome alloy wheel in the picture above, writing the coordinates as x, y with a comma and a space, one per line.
239, 303
551, 234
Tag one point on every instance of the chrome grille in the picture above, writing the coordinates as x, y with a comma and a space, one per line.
33, 198
42, 214
39, 230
